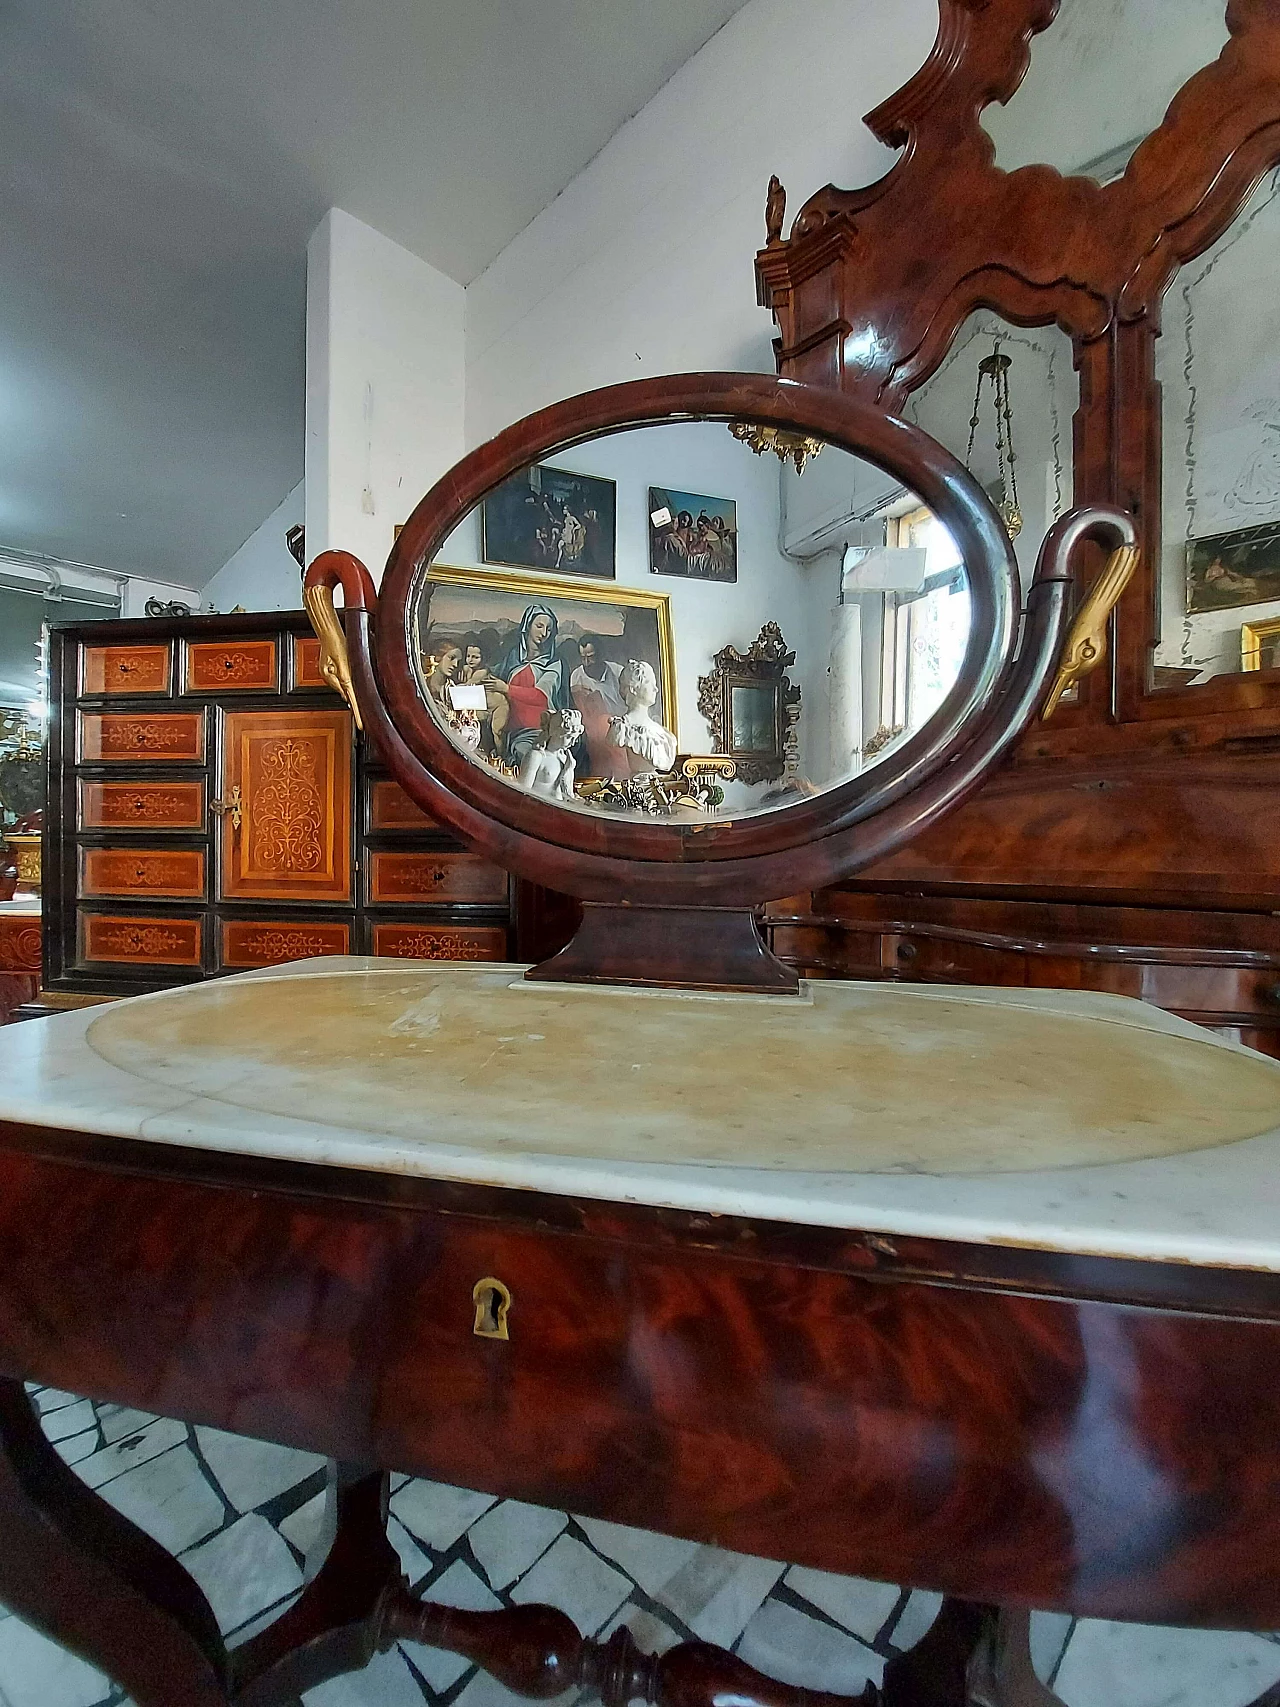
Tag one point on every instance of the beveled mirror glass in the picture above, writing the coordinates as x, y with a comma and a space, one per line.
1218, 364
670, 621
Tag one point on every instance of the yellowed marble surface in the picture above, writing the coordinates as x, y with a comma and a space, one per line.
852, 1078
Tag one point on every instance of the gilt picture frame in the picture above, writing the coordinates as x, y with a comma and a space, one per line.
468, 625
1260, 644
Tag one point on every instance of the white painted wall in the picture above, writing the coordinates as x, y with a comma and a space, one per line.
385, 384
262, 574
643, 265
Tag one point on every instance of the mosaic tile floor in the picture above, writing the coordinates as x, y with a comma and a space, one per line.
243, 1517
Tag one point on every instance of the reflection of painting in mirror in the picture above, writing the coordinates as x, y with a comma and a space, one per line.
754, 717
552, 519
1233, 569
1260, 645
1218, 365
496, 652
692, 535
791, 537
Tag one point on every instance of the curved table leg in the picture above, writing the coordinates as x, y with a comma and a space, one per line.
1003, 1675
90, 1579
938, 1671
337, 1623
93, 1581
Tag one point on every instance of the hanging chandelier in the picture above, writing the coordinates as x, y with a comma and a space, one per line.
995, 368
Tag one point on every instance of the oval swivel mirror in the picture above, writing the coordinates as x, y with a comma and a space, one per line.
683, 646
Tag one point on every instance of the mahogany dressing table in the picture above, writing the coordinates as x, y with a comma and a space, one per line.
903, 1282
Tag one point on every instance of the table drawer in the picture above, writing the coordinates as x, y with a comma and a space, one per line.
140, 941
124, 669
268, 942
436, 877
441, 942
142, 805
173, 737
176, 873
239, 666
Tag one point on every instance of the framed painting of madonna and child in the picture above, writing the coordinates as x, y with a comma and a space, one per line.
497, 651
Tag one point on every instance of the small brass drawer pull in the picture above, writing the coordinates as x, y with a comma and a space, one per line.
492, 1301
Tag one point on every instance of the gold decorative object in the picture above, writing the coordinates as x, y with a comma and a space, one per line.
1086, 645
795, 448
744, 692
26, 850
1260, 644
995, 367
492, 1301
880, 740
232, 806
335, 661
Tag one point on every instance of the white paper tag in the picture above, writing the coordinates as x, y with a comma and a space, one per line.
660, 518
467, 696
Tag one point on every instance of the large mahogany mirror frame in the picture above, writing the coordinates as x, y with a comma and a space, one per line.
715, 871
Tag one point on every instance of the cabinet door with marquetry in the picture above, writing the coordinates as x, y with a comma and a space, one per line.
285, 805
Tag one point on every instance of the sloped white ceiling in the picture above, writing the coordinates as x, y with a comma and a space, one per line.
164, 164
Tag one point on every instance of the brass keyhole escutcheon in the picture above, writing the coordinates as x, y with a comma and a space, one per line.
492, 1302
232, 806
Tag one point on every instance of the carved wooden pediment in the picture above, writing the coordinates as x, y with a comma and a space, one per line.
862, 303
873, 285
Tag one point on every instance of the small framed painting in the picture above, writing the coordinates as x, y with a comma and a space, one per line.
552, 520
692, 535
1226, 570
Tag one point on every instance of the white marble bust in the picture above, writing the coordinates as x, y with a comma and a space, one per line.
548, 768
648, 745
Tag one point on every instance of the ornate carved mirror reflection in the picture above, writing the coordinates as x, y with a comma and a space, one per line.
752, 708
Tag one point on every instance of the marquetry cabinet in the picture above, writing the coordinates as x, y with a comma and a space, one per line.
211, 809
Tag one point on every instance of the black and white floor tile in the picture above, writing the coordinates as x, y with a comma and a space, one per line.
245, 1519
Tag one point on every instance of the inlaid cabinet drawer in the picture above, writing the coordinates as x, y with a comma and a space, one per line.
176, 737
268, 942
306, 662
390, 808
140, 941
124, 669
238, 666
438, 877
175, 873
142, 805
441, 942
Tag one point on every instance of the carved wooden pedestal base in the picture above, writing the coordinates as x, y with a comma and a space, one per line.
76, 1569
681, 948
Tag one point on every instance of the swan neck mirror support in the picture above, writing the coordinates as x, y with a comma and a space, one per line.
531, 703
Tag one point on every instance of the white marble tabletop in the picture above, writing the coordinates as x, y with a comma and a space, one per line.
1048, 1118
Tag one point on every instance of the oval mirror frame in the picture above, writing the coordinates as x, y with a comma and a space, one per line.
727, 862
